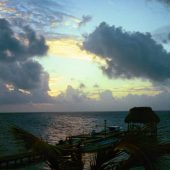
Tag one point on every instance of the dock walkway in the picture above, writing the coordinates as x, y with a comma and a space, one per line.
19, 160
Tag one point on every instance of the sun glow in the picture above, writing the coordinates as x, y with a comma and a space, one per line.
71, 48
55, 85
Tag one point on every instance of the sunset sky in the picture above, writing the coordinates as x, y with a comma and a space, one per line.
70, 55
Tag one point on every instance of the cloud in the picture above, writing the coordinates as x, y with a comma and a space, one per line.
17, 53
42, 15
106, 95
16, 47
24, 75
39, 11
167, 2
96, 86
129, 54
9, 94
85, 20
74, 95
158, 102
75, 100
82, 86
37, 44
162, 34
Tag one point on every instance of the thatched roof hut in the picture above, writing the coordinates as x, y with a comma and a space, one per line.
142, 115
142, 119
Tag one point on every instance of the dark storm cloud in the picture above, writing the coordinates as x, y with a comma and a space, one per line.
13, 47
12, 97
129, 54
25, 75
10, 47
16, 96
36, 44
17, 52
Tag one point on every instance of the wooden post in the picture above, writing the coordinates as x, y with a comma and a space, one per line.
105, 126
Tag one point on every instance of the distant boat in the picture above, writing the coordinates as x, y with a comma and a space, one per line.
114, 128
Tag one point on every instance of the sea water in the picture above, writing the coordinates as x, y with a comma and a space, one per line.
53, 127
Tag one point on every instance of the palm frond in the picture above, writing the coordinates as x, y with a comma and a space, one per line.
59, 157
36, 144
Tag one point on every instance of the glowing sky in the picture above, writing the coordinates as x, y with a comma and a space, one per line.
69, 55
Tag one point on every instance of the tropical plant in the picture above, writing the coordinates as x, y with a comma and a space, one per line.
58, 157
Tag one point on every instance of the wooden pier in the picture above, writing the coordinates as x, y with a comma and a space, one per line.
20, 160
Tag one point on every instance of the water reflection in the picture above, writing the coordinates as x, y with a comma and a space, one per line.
62, 126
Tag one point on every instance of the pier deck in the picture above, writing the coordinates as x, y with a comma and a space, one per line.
20, 160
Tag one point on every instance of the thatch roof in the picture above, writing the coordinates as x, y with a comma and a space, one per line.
141, 115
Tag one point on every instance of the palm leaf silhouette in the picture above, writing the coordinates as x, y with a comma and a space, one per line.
59, 157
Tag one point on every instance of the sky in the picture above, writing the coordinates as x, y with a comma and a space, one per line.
70, 55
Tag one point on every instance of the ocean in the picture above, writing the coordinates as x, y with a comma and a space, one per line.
53, 127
